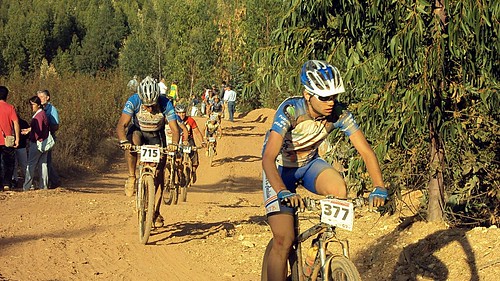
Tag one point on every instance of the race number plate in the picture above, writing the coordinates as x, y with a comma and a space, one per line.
186, 149
338, 213
211, 139
150, 153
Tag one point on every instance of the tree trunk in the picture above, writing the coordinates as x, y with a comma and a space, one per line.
436, 186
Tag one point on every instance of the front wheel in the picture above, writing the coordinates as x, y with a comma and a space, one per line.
169, 192
341, 268
146, 206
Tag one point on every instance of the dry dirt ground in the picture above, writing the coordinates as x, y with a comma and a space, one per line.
86, 230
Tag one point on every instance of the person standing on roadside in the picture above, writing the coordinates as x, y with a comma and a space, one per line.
21, 160
230, 99
163, 87
38, 131
173, 95
9, 127
53, 116
133, 83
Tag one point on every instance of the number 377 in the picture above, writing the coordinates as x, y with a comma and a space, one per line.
338, 212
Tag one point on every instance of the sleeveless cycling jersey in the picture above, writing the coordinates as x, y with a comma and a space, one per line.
149, 121
302, 134
212, 128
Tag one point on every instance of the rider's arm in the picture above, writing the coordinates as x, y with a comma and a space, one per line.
174, 128
122, 126
219, 131
363, 147
185, 131
198, 135
273, 147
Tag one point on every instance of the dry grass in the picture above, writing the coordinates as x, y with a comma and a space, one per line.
89, 108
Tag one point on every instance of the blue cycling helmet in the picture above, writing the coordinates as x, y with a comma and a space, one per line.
321, 78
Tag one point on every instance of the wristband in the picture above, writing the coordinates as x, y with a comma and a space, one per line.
379, 192
284, 193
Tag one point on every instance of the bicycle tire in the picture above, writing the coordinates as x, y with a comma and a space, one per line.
169, 190
146, 204
263, 272
340, 268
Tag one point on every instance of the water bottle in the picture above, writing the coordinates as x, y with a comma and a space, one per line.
310, 257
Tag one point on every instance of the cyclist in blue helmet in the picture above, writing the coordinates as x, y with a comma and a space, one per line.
290, 155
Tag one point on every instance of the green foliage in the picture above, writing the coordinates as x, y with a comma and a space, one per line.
408, 76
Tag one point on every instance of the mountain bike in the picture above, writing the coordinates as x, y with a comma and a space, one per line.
211, 150
148, 194
171, 178
187, 169
327, 265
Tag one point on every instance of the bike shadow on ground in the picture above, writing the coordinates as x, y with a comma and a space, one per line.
198, 230
233, 185
417, 260
239, 158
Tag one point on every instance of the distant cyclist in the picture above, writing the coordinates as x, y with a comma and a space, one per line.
216, 107
148, 112
193, 130
290, 154
213, 129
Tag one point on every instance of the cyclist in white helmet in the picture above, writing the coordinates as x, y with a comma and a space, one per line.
290, 155
148, 112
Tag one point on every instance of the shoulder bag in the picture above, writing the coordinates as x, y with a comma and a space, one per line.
46, 144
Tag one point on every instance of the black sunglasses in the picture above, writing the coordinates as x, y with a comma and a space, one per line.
326, 99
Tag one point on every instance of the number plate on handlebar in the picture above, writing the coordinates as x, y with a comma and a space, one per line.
211, 139
150, 153
186, 149
338, 213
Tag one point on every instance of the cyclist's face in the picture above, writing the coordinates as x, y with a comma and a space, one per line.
148, 108
318, 106
182, 115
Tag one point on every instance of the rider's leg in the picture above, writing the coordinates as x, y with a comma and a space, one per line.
195, 163
131, 158
283, 236
330, 182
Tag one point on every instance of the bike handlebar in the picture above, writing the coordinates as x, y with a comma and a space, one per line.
312, 204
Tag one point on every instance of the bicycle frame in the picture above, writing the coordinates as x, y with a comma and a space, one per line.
326, 263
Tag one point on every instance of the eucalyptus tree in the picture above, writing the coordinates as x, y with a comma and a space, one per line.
420, 76
191, 32
105, 28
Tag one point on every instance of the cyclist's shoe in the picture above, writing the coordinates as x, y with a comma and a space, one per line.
159, 221
130, 186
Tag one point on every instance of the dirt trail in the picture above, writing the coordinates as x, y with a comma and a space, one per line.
86, 230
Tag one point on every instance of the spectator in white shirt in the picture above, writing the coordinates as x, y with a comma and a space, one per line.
230, 98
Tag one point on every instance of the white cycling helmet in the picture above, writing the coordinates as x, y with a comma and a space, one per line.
148, 91
321, 78
180, 108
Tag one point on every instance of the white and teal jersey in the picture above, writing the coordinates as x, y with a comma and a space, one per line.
302, 134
